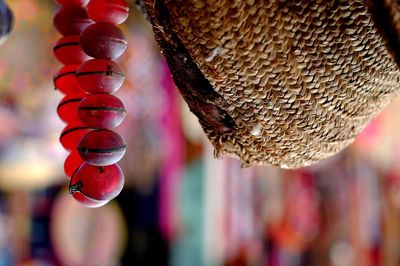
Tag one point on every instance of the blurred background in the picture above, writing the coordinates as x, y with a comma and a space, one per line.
179, 206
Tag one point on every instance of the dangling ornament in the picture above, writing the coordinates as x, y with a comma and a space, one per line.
6, 21
113, 12
67, 109
100, 76
72, 134
88, 108
94, 186
102, 147
65, 80
69, 52
71, 20
102, 40
101, 111
72, 162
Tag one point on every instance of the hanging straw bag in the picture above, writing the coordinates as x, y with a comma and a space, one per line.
284, 83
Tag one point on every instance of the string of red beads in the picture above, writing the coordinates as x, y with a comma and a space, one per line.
91, 41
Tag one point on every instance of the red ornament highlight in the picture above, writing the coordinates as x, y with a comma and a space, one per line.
100, 76
72, 134
68, 50
67, 109
96, 185
108, 11
101, 40
65, 80
101, 111
71, 20
102, 147
72, 162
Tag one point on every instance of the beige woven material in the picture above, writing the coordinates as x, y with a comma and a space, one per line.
300, 79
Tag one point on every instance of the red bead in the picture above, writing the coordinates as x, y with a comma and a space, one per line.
68, 50
102, 147
94, 186
101, 111
100, 76
72, 134
65, 80
108, 11
72, 162
71, 20
72, 2
67, 109
88, 202
101, 40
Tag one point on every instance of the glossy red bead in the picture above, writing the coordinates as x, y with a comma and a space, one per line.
72, 162
72, 134
102, 40
68, 50
72, 2
108, 11
87, 201
100, 76
102, 147
67, 109
65, 80
71, 20
94, 186
101, 111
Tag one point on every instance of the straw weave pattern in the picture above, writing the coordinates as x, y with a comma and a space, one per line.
300, 78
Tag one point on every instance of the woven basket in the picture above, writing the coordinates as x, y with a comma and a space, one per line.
284, 83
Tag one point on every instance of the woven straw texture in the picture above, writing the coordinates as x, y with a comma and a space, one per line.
300, 79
